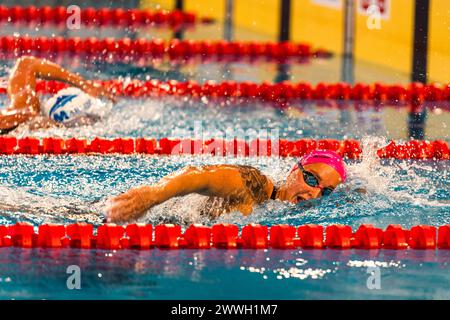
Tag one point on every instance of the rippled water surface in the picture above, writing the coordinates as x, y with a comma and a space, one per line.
224, 274
65, 189
72, 188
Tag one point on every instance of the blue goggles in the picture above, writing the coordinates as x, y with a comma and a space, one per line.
312, 181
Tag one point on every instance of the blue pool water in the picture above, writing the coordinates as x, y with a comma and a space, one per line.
65, 189
68, 189
224, 274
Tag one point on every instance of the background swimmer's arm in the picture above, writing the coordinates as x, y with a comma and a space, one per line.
44, 69
218, 181
41, 122
12, 118
51, 71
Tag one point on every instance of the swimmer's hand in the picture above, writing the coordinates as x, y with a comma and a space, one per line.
40, 122
97, 91
130, 205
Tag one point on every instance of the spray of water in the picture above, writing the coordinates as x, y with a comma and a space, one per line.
116, 121
21, 204
376, 192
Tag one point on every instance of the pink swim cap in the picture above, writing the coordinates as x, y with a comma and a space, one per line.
328, 157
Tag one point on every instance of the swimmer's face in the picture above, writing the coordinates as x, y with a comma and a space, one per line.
297, 190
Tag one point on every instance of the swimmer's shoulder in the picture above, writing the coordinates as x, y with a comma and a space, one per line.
254, 182
250, 179
236, 167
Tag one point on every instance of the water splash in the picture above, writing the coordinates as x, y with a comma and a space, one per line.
67, 189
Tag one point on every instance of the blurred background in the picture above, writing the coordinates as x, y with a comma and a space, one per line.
384, 43
386, 40
370, 41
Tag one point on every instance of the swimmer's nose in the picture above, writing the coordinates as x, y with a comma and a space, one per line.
313, 193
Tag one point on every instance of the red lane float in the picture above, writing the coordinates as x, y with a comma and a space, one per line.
311, 236
282, 236
338, 236
395, 237
444, 237
22, 235
100, 17
277, 93
422, 237
140, 235
350, 149
198, 236
225, 236
167, 236
174, 49
254, 236
81, 235
415, 150
52, 236
109, 236
367, 237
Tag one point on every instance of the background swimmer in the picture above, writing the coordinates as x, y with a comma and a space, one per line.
234, 187
69, 107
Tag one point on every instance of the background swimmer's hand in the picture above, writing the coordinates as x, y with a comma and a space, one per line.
41, 122
97, 91
130, 205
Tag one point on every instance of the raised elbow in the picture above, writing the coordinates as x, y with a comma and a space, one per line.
26, 61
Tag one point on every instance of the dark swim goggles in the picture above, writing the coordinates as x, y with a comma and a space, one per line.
312, 181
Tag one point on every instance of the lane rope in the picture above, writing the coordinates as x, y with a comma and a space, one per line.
223, 236
119, 17
278, 94
174, 49
350, 149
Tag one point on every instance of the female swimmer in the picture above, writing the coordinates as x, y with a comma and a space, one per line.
234, 187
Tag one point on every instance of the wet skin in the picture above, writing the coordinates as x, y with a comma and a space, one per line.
241, 187
296, 190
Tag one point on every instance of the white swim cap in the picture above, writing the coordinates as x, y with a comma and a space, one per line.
72, 103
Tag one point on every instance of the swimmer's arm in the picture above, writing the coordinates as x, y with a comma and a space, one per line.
209, 181
48, 70
12, 118
43, 123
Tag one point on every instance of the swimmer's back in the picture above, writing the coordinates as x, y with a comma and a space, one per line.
250, 190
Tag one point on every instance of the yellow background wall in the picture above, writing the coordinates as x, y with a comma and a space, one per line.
392, 44
260, 16
214, 9
210, 8
439, 42
322, 26
163, 4
319, 25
